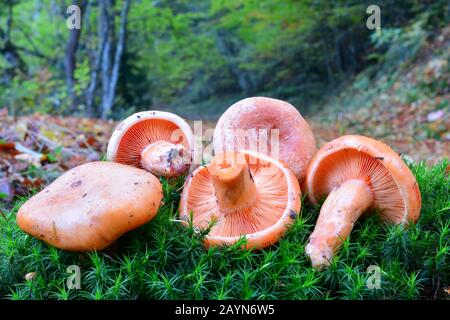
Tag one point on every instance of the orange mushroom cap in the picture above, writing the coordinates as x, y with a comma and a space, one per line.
357, 173
395, 189
253, 121
157, 141
243, 193
90, 206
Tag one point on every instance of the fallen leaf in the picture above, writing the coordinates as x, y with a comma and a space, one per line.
435, 115
29, 159
33, 183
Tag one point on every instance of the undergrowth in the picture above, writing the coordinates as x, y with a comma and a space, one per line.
164, 260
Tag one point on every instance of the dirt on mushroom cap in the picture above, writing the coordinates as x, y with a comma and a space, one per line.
90, 206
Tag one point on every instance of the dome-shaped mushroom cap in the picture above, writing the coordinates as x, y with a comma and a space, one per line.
90, 206
276, 204
296, 140
395, 189
136, 132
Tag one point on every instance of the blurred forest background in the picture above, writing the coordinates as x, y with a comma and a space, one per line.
196, 57
62, 90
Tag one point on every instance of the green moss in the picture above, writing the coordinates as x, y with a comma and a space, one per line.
164, 260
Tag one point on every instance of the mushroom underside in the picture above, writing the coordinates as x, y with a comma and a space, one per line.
257, 198
266, 210
352, 181
171, 159
348, 164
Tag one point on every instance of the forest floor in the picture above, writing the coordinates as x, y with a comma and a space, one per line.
405, 103
35, 149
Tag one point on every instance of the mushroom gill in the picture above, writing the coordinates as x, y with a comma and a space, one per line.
351, 164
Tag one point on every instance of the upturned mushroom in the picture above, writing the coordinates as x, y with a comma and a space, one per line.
242, 194
269, 126
90, 206
157, 141
356, 173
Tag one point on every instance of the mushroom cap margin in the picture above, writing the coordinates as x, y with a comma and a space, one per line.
400, 172
262, 238
129, 122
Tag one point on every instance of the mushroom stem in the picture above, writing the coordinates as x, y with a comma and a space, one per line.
166, 159
343, 206
234, 185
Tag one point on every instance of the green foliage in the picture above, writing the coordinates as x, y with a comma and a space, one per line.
164, 260
41, 93
197, 56
402, 44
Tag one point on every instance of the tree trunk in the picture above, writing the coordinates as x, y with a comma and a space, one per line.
9, 50
70, 65
70, 60
95, 69
240, 75
111, 75
337, 35
106, 54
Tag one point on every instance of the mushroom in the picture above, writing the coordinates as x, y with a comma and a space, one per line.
157, 141
90, 206
255, 121
357, 173
241, 194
